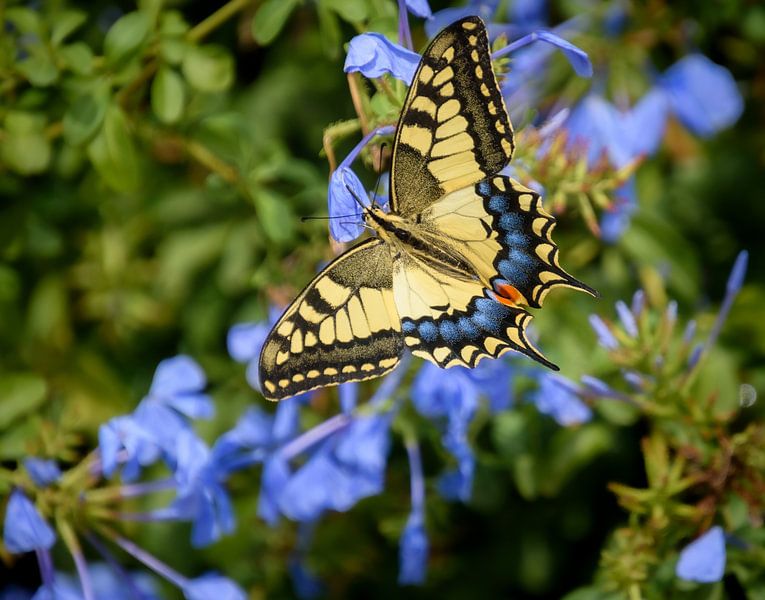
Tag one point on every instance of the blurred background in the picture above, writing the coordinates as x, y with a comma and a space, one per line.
152, 182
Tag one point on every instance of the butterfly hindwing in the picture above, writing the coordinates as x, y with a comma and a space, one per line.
501, 227
453, 320
343, 327
454, 129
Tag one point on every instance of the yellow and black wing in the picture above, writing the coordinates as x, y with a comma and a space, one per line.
454, 129
344, 326
453, 318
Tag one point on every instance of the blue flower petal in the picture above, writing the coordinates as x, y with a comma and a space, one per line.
419, 8
276, 475
445, 17
703, 95
345, 215
245, 340
364, 445
647, 121
373, 55
527, 13
556, 398
413, 553
24, 529
43, 472
703, 560
215, 586
575, 55
178, 375
616, 219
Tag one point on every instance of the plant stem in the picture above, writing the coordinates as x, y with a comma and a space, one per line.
215, 20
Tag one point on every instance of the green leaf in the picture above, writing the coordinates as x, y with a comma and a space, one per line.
113, 152
168, 95
353, 12
330, 32
25, 19
85, 115
77, 57
125, 37
208, 68
270, 19
274, 216
20, 394
25, 148
66, 23
38, 69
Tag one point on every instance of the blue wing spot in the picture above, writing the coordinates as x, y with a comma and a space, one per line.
428, 331
513, 272
498, 204
408, 326
516, 238
520, 258
511, 221
468, 328
450, 332
484, 188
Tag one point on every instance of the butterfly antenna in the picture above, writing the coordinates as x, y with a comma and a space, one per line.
356, 198
327, 218
379, 176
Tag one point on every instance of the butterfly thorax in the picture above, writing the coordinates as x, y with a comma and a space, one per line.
412, 236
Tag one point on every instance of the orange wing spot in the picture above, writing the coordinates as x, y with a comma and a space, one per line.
507, 294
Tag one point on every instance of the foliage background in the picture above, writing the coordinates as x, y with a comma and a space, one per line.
151, 196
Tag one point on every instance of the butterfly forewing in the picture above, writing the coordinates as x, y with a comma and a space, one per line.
343, 327
454, 130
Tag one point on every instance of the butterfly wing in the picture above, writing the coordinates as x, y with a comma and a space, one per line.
454, 129
501, 228
454, 318
343, 327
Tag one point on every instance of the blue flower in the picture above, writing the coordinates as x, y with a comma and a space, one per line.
703, 95
419, 8
201, 496
25, 529
703, 560
150, 433
616, 218
452, 394
43, 472
373, 55
559, 398
528, 13
413, 552
440, 19
106, 582
345, 220
215, 586
347, 467
276, 475
605, 337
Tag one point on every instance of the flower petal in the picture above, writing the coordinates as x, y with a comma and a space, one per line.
703, 560
419, 8
557, 399
575, 55
212, 585
703, 95
245, 340
345, 215
373, 55
25, 529
43, 472
177, 375
413, 552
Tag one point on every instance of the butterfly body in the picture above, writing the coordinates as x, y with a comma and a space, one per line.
453, 264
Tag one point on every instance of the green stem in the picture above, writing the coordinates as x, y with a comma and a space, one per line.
215, 20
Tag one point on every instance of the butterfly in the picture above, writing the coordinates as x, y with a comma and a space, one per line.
453, 263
